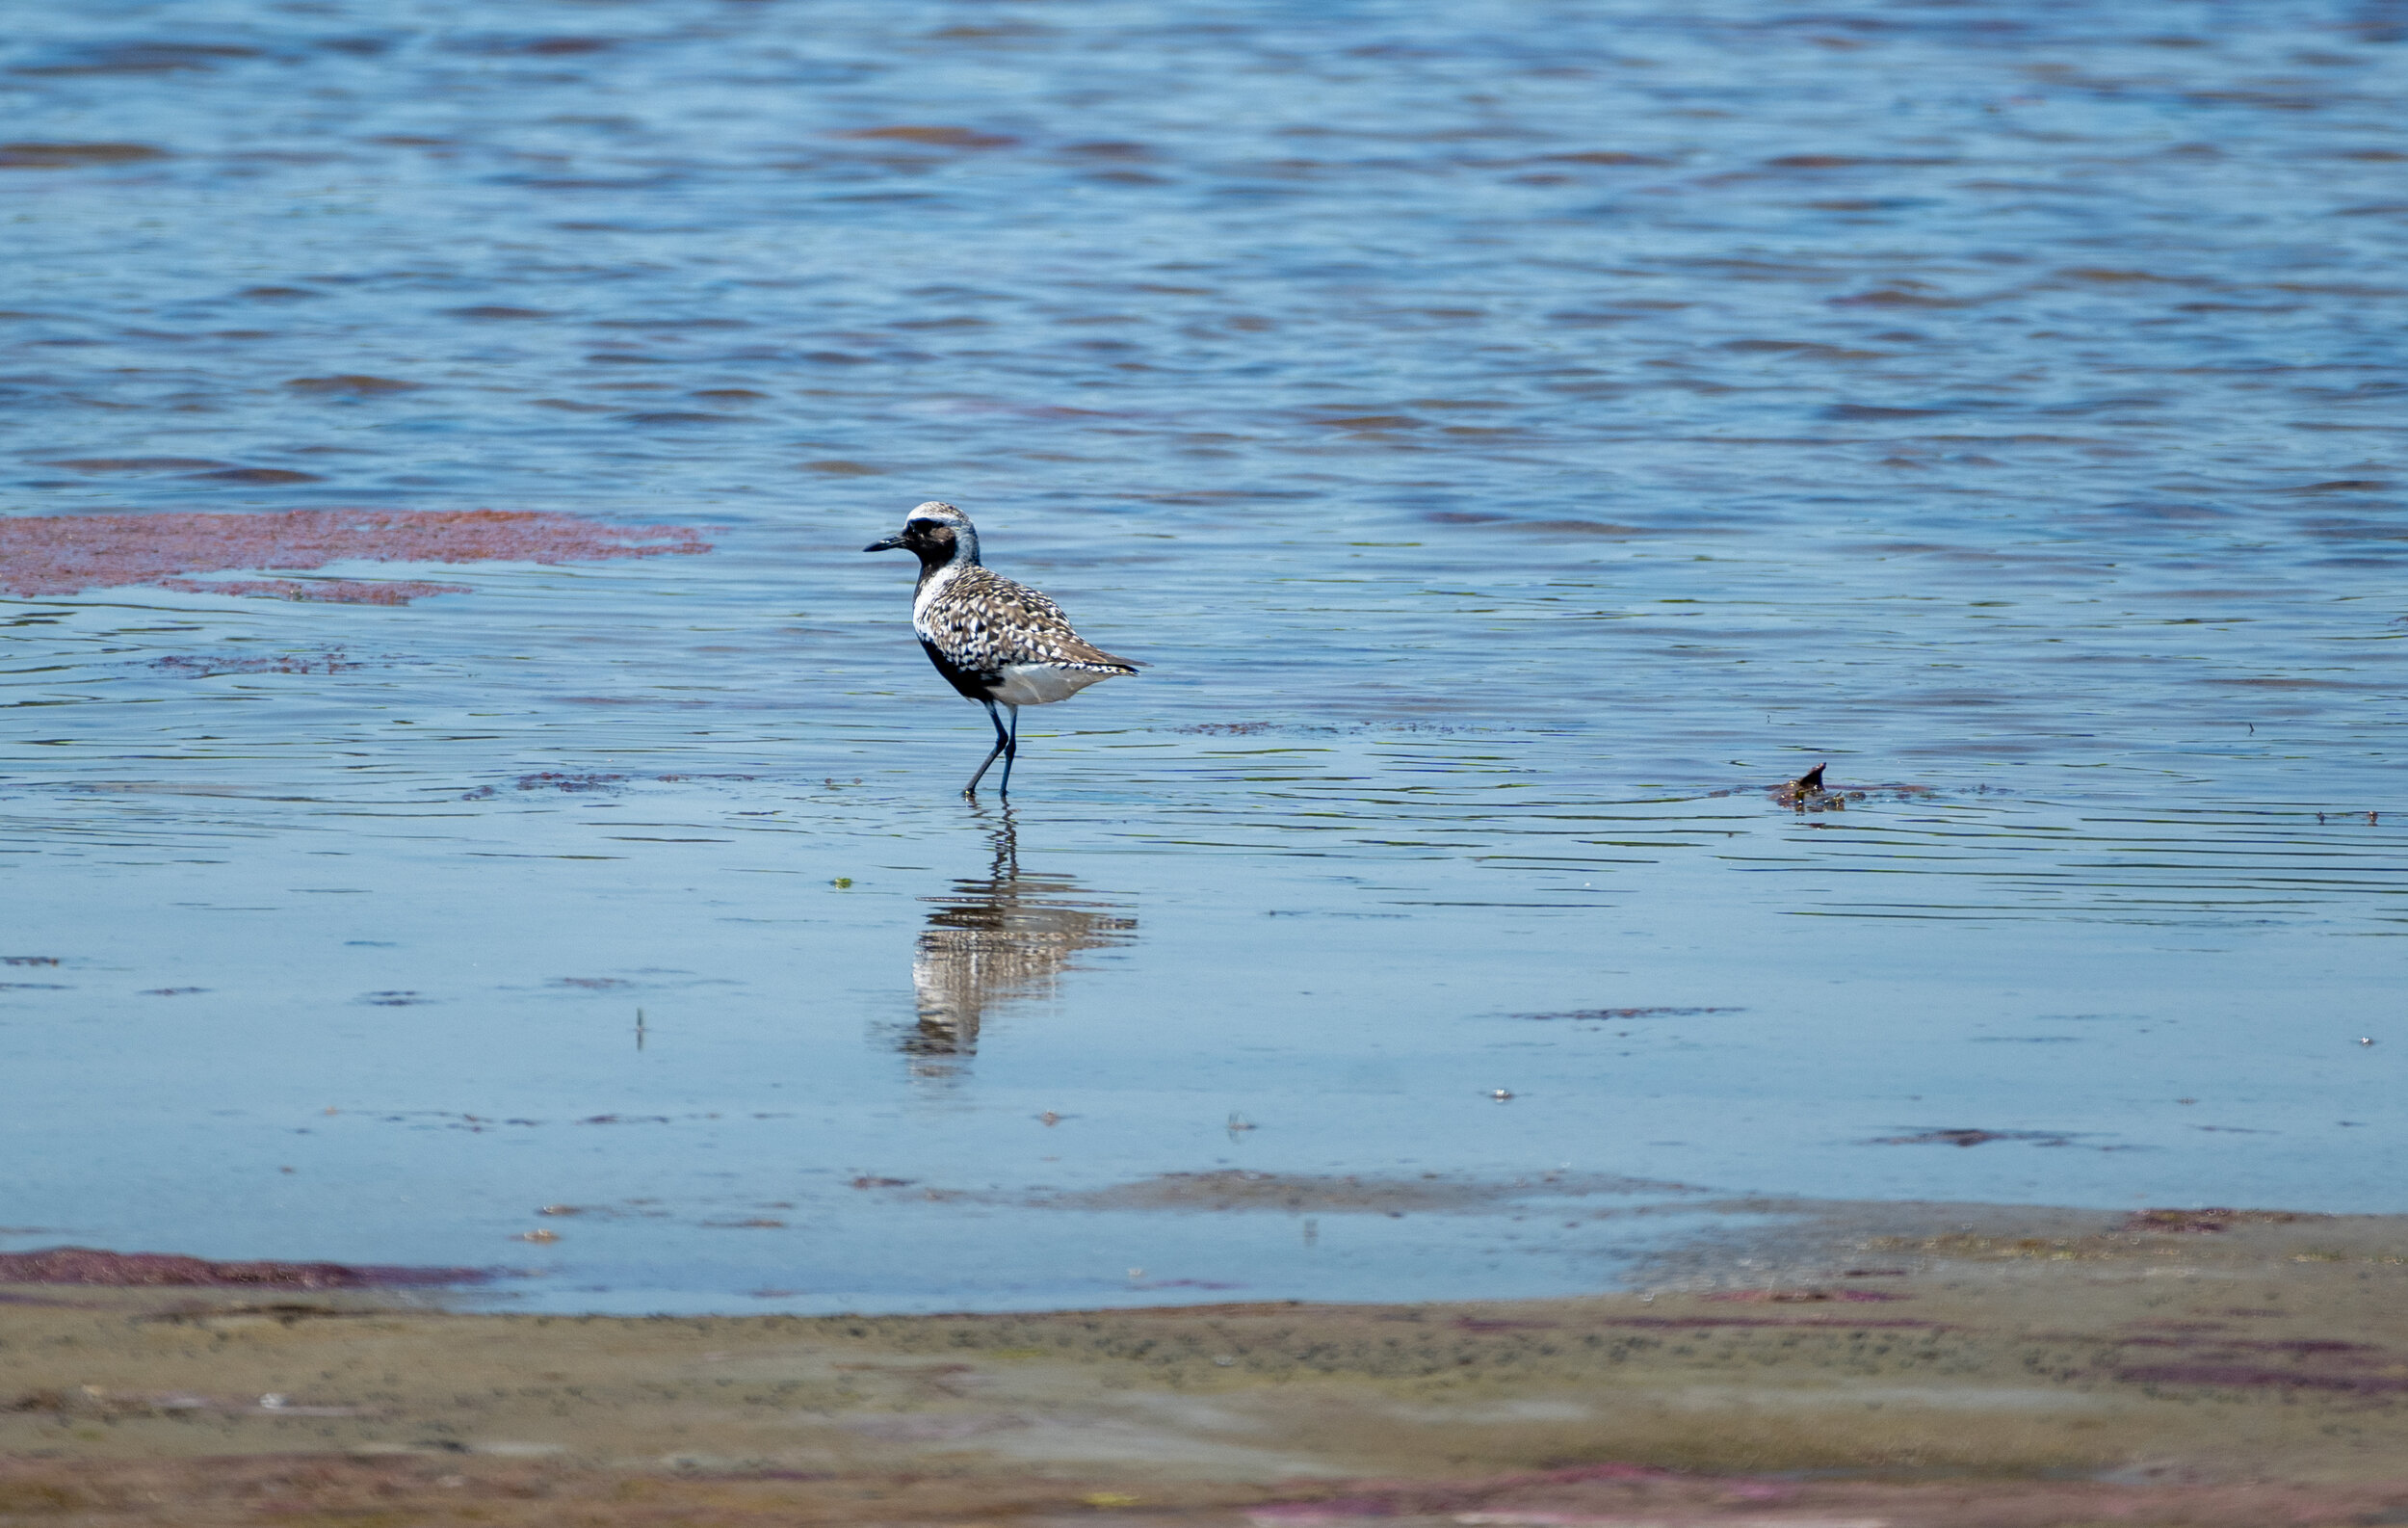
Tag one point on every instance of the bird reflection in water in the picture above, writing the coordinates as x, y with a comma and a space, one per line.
996, 942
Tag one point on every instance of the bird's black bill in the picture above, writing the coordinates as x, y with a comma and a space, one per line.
887, 545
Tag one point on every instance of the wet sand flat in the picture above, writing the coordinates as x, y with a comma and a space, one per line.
1898, 1364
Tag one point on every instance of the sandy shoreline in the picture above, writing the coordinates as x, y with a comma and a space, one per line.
1900, 1364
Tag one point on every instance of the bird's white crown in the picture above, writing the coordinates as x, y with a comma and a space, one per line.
936, 512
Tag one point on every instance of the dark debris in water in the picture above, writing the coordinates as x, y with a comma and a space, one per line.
1318, 730
90, 1264
1975, 1138
1241, 1190
558, 780
482, 1124
575, 783
1809, 794
206, 665
259, 477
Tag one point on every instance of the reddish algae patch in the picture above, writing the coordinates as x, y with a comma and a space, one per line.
90, 1265
68, 554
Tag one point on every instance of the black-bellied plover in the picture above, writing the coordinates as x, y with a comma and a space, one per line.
997, 641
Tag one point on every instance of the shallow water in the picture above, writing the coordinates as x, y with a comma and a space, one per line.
1518, 437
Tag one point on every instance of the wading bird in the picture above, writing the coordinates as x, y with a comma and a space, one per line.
997, 641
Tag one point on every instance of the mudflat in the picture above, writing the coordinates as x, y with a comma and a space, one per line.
1819, 1365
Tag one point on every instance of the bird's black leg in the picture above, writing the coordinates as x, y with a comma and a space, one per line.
1012, 750
1002, 741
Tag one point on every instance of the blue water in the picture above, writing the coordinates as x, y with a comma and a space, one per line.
1517, 435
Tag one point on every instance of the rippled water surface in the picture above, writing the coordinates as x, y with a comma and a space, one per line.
1518, 436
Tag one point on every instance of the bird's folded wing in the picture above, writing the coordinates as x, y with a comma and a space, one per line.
983, 621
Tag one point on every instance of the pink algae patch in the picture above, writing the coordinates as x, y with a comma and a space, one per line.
66, 554
90, 1264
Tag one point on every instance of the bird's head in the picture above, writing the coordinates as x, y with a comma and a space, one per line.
937, 533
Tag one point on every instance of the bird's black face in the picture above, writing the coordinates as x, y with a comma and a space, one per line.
932, 539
